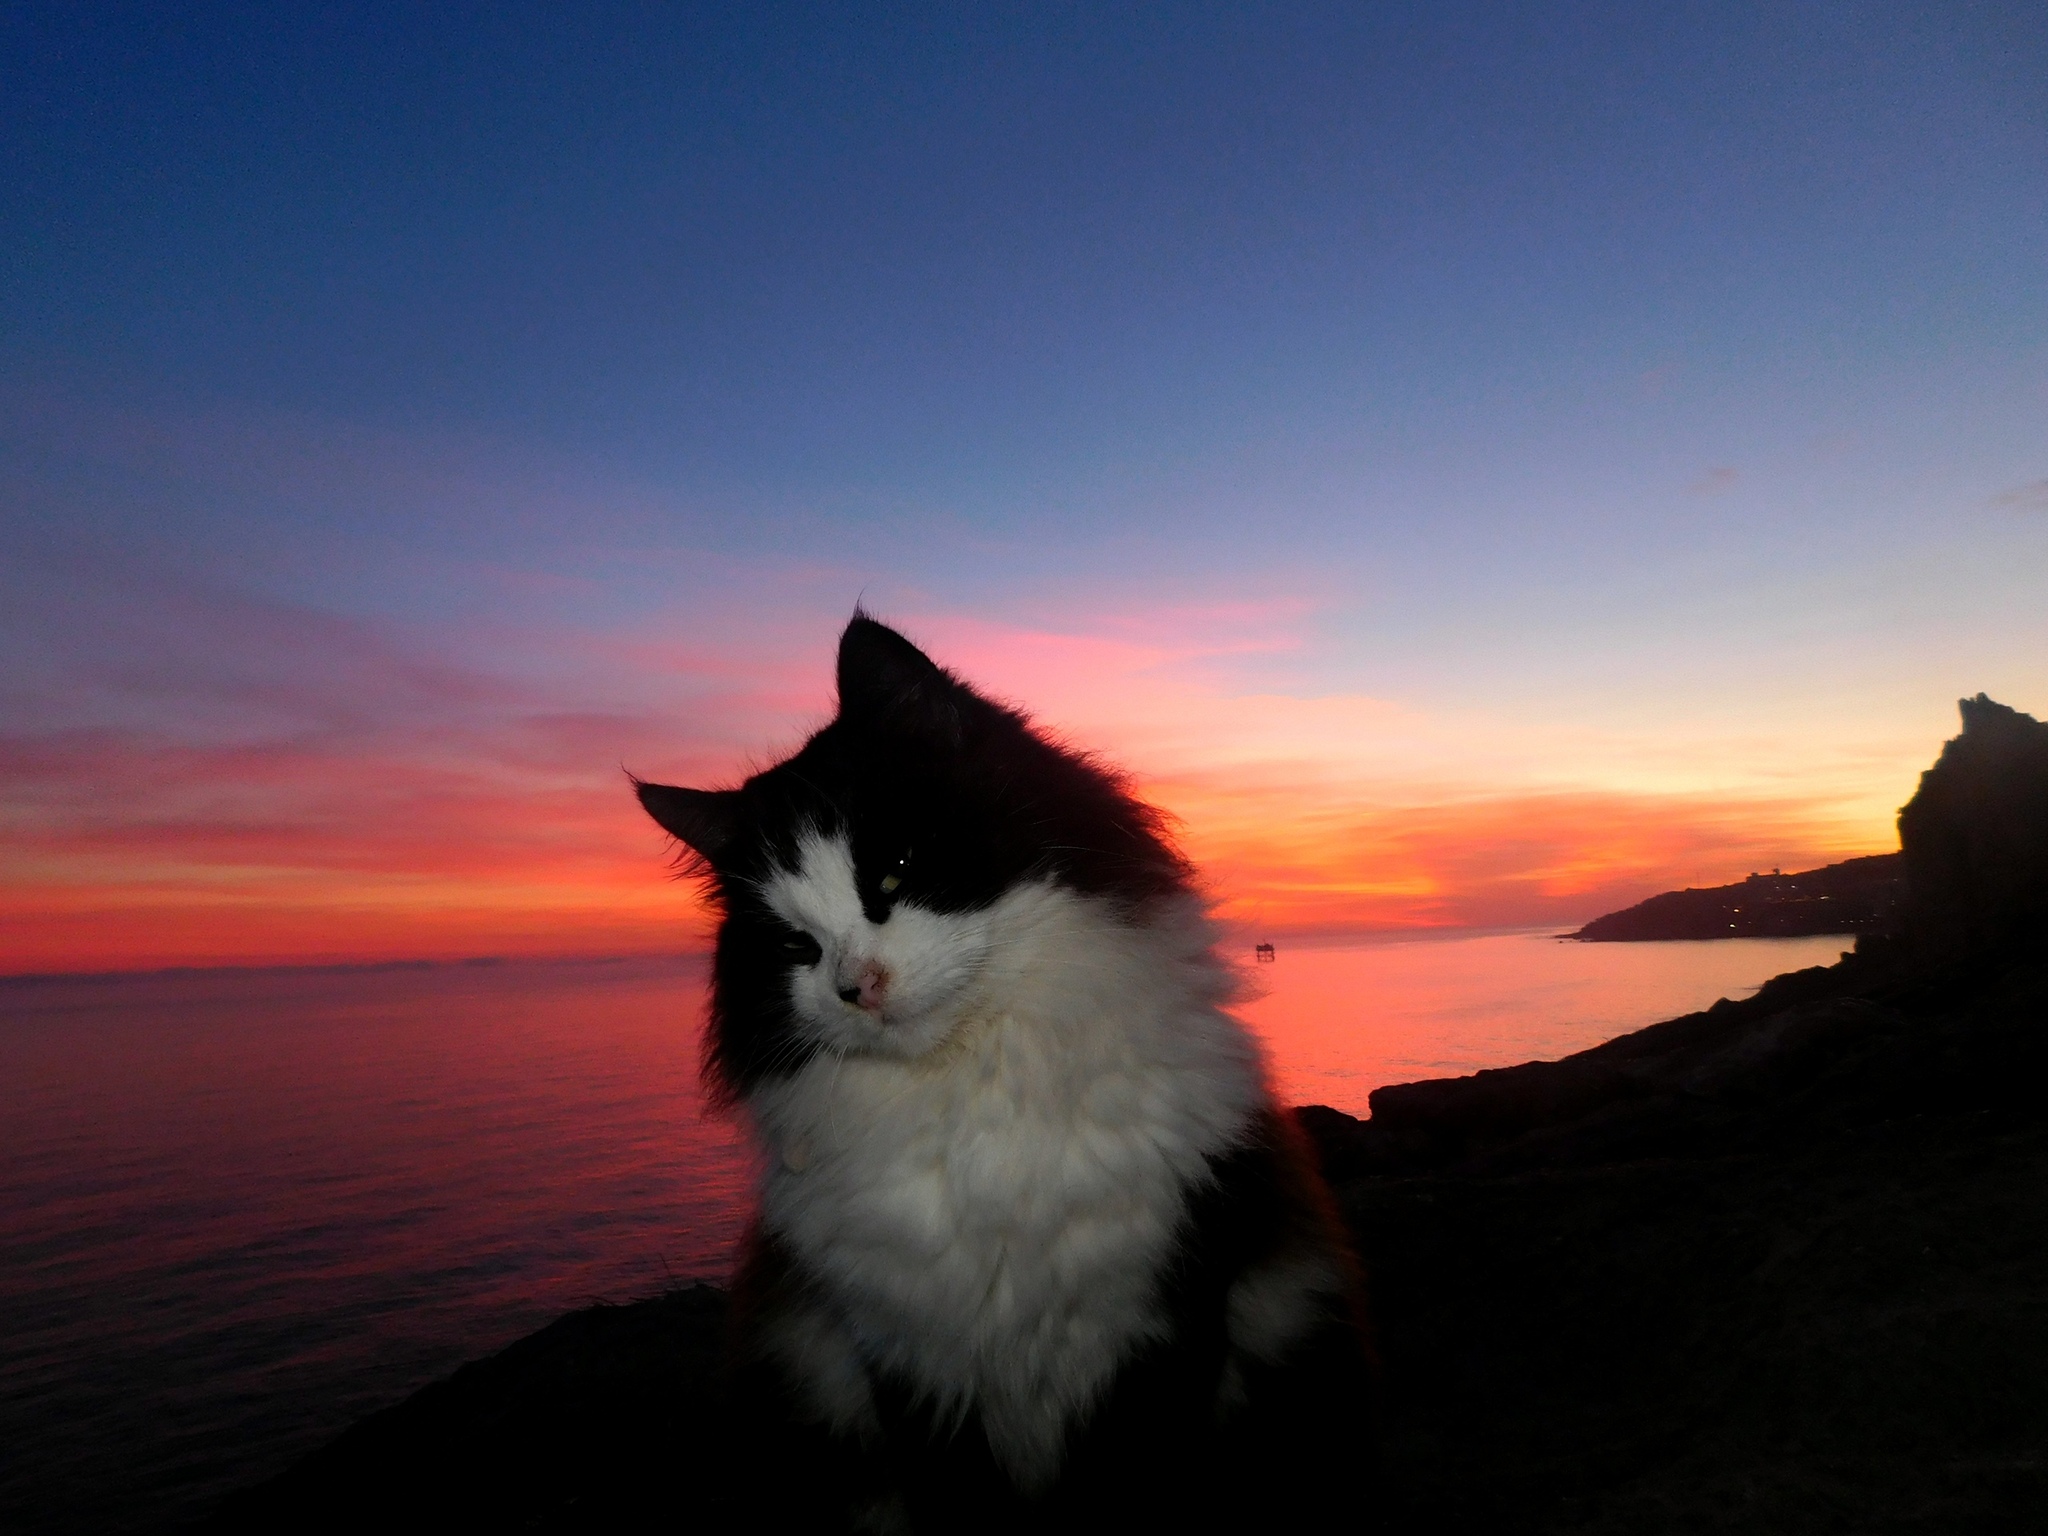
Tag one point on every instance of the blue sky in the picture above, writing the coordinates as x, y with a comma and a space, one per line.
1653, 398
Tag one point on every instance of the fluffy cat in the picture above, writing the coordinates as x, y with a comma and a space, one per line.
1035, 1246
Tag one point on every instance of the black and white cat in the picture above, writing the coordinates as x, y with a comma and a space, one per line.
1034, 1242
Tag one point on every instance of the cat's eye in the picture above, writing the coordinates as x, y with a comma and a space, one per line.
802, 949
894, 878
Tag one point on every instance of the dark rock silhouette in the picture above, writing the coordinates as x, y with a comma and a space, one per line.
1975, 836
577, 1427
1779, 1266
1855, 896
1782, 1268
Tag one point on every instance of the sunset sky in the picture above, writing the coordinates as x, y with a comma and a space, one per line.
1475, 464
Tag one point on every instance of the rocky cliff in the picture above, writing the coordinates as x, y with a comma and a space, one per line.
1975, 838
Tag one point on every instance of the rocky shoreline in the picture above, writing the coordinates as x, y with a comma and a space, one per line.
1778, 1266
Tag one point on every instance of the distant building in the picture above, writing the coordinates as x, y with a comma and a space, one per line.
1265, 953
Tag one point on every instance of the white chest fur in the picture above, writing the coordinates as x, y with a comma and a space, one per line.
988, 1219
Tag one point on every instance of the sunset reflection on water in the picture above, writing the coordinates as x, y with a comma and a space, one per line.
242, 1209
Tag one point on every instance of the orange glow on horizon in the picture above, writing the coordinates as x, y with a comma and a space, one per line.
586, 876
508, 829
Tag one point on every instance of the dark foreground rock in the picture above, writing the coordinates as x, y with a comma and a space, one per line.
1776, 1267
1782, 1266
606, 1419
1854, 896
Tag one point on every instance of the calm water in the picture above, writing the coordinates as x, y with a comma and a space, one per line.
240, 1210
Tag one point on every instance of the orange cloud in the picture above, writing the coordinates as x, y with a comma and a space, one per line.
1293, 864
125, 851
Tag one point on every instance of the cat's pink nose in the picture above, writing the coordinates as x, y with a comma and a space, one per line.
868, 986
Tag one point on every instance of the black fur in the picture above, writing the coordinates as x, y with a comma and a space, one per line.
952, 793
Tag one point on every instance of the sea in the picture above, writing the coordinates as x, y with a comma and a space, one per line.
241, 1209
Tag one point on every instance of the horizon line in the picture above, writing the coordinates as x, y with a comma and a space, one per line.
1314, 938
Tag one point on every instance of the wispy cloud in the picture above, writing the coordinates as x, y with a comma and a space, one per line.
327, 474
2031, 497
202, 775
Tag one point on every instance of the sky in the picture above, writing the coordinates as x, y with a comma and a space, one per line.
1475, 465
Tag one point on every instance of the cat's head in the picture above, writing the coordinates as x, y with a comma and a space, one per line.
856, 878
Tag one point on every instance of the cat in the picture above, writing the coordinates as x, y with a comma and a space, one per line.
1035, 1245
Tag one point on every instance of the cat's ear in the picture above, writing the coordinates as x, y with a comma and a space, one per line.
706, 819
885, 680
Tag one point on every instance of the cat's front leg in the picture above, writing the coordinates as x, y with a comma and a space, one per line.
804, 1406
814, 1354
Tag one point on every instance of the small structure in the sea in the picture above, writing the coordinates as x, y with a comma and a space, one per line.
1265, 953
